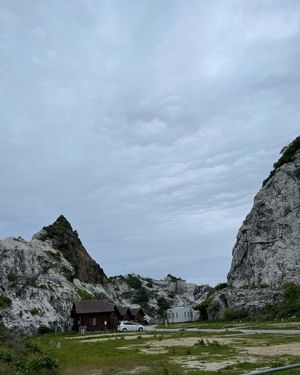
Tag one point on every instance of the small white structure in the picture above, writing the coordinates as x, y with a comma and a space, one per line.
182, 314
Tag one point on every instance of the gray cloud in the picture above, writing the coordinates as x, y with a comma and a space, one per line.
150, 126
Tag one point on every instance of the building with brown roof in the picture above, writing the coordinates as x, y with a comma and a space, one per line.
94, 315
123, 313
137, 314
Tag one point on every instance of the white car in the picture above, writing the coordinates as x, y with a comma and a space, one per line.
130, 326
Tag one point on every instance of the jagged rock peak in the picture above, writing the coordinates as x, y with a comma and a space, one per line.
67, 241
267, 247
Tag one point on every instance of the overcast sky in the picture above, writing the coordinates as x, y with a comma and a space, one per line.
149, 124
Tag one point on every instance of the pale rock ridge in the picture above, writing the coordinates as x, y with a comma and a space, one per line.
40, 285
39, 292
171, 290
267, 250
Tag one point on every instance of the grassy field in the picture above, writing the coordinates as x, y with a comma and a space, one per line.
169, 353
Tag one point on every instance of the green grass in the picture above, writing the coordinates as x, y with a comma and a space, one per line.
119, 356
20, 357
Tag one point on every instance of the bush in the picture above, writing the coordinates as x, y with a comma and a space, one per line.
83, 294
44, 330
11, 277
149, 284
4, 302
68, 273
174, 278
220, 286
133, 282
203, 308
6, 357
230, 315
163, 306
141, 297
34, 311
288, 154
43, 363
53, 255
288, 308
20, 356
32, 348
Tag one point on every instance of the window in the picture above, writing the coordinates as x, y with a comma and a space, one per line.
176, 315
92, 322
185, 314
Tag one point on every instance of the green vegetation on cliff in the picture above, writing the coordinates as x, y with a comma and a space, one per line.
288, 154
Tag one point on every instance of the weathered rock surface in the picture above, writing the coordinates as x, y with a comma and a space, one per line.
66, 240
252, 300
153, 294
267, 250
38, 284
35, 283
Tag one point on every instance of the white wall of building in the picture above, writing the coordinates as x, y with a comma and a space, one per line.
182, 314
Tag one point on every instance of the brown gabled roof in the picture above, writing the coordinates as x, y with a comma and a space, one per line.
134, 311
123, 310
93, 306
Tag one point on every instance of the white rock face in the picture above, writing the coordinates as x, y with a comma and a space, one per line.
253, 300
175, 291
267, 250
39, 282
34, 282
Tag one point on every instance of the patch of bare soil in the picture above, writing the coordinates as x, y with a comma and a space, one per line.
189, 341
127, 337
83, 371
288, 349
154, 350
136, 370
195, 363
160, 346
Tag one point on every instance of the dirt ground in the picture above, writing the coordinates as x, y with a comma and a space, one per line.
288, 349
127, 337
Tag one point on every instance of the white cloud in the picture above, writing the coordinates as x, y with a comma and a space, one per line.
150, 126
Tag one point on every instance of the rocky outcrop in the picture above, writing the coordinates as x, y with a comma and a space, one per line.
267, 250
155, 296
38, 285
33, 280
66, 240
253, 300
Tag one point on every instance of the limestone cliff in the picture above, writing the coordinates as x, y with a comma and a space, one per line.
267, 250
38, 285
64, 239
